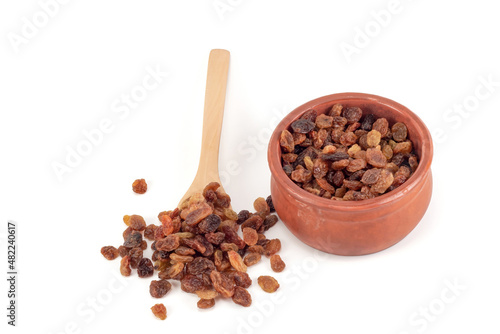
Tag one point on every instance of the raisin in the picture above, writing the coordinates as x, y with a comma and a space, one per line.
256, 249
135, 255
269, 201
145, 268
413, 162
222, 283
232, 237
236, 261
250, 236
123, 251
215, 238
268, 284
251, 259
241, 279
319, 138
337, 156
182, 250
348, 138
352, 114
382, 126
207, 294
325, 185
289, 157
242, 297
352, 184
134, 239
371, 176
169, 243
324, 121
139, 186
286, 141
125, 266
338, 178
403, 147
356, 176
269, 222
205, 303
149, 231
373, 138
159, 311
172, 271
199, 265
341, 164
260, 205
399, 132
243, 215
180, 258
109, 252
384, 182
353, 150
137, 223
158, 289
367, 122
375, 157
302, 126
356, 165
336, 110
126, 220
277, 264
209, 224
272, 247
197, 215
191, 283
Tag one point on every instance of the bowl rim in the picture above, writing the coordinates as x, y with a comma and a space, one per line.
274, 157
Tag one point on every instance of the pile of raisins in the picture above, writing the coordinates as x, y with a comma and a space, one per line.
345, 155
199, 245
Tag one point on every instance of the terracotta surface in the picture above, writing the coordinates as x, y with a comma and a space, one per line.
350, 227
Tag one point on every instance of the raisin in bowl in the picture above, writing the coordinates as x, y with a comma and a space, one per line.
353, 224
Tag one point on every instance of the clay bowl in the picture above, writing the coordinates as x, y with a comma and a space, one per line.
354, 227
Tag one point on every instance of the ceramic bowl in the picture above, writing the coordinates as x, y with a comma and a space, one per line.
354, 227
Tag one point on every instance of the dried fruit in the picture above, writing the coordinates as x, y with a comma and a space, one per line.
352, 114
373, 138
139, 186
135, 255
382, 126
222, 283
272, 247
205, 303
252, 258
125, 266
242, 297
134, 239
399, 132
302, 126
236, 261
250, 236
109, 252
277, 264
145, 268
375, 157
286, 141
158, 289
159, 311
268, 283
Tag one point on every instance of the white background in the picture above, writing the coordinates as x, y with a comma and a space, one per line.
64, 78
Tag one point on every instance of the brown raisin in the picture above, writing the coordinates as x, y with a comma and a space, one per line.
403, 147
134, 239
399, 132
269, 201
145, 268
172, 271
158, 289
367, 122
250, 236
236, 261
260, 205
123, 251
209, 224
159, 311
222, 283
382, 126
336, 110
352, 114
268, 284
197, 215
251, 259
277, 264
269, 222
205, 303
139, 186
241, 279
310, 115
348, 138
325, 185
243, 215
371, 176
272, 247
242, 297
333, 157
125, 266
135, 255
286, 141
384, 182
375, 157
109, 252
215, 238
356, 165
200, 265
338, 178
149, 231
324, 121
302, 126
169, 243
256, 249
191, 283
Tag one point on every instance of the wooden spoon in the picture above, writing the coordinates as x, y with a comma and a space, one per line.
215, 96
